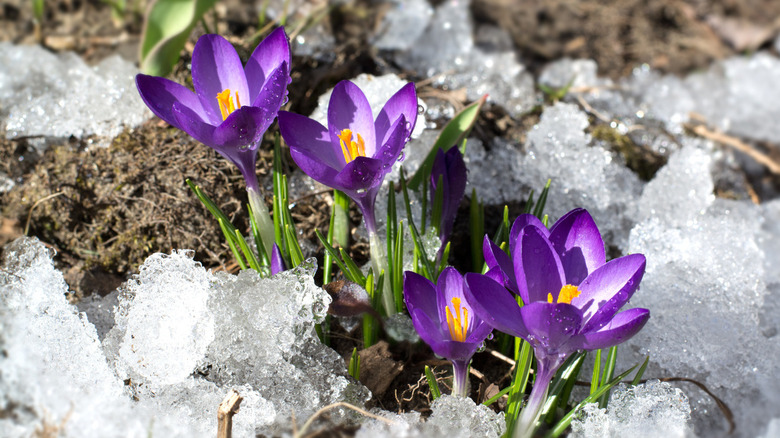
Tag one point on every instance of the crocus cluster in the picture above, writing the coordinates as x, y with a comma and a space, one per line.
571, 297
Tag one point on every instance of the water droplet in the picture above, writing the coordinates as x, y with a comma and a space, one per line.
489, 336
481, 347
420, 109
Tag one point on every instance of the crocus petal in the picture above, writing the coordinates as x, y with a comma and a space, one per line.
578, 242
420, 293
267, 57
496, 258
538, 269
620, 329
448, 286
277, 263
440, 343
551, 326
243, 127
402, 104
159, 94
308, 137
390, 152
349, 109
494, 304
190, 122
521, 222
272, 96
360, 174
608, 288
480, 331
215, 68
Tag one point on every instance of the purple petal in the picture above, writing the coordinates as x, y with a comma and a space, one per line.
244, 127
273, 94
496, 258
349, 109
538, 269
551, 326
277, 263
620, 329
190, 122
494, 304
390, 152
420, 294
578, 242
267, 57
451, 168
521, 222
440, 342
308, 137
215, 68
448, 286
402, 104
159, 94
360, 174
608, 288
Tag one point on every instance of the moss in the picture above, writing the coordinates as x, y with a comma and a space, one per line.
643, 161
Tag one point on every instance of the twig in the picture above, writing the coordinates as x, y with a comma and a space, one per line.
339, 405
737, 144
225, 412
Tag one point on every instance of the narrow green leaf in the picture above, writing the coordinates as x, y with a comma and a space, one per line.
452, 134
432, 383
327, 264
566, 377
341, 221
640, 372
523, 359
264, 257
336, 258
166, 29
229, 236
397, 264
594, 380
354, 364
296, 255
564, 422
428, 267
539, 209
500, 394
248, 254
370, 329
445, 255
609, 368
529, 203
352, 266
38, 10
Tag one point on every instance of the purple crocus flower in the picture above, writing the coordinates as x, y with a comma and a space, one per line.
445, 321
571, 296
232, 105
451, 169
355, 152
277, 262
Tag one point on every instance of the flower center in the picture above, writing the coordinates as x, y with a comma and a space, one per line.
458, 322
351, 149
568, 292
226, 103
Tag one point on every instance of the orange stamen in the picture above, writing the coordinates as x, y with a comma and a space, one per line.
349, 148
459, 323
226, 106
567, 293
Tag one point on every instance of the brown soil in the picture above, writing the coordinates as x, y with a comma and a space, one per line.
106, 210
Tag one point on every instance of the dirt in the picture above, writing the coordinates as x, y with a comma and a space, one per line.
106, 210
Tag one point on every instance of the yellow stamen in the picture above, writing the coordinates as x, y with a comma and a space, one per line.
349, 148
458, 324
568, 292
226, 105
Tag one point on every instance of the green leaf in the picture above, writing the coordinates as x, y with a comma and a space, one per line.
167, 27
594, 381
609, 368
432, 383
341, 219
539, 210
228, 230
38, 9
354, 364
493, 399
523, 358
564, 379
248, 254
452, 134
640, 372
